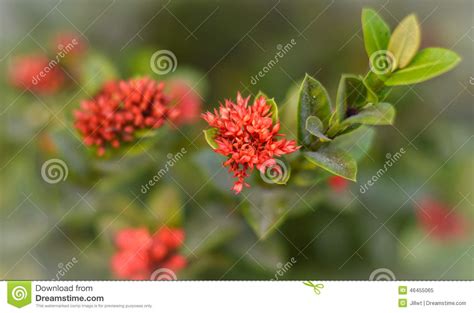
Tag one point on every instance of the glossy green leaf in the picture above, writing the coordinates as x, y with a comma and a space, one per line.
210, 135
356, 143
379, 114
316, 128
376, 32
428, 63
313, 101
335, 161
376, 86
405, 41
351, 96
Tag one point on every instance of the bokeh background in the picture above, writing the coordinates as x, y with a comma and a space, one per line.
338, 233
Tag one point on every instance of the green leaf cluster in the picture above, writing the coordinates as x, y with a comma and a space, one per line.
394, 60
400, 50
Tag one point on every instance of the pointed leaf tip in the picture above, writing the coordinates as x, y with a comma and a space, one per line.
210, 135
405, 41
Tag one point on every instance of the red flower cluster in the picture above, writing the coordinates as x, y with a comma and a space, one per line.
248, 136
120, 109
141, 253
35, 73
440, 221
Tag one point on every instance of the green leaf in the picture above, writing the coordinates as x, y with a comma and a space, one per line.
428, 63
405, 41
274, 109
376, 87
289, 110
356, 143
316, 128
335, 161
379, 114
166, 205
95, 70
376, 32
210, 135
352, 95
313, 101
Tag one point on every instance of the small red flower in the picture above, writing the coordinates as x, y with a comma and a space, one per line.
69, 44
120, 109
338, 183
440, 221
140, 253
37, 73
248, 136
187, 101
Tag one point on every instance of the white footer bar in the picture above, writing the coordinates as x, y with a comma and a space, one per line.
237, 296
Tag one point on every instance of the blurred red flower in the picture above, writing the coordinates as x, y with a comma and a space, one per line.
186, 100
440, 221
69, 43
37, 73
120, 109
140, 253
248, 136
338, 183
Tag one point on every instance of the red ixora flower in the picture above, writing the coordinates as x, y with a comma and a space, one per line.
120, 109
440, 221
140, 253
248, 136
34, 72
